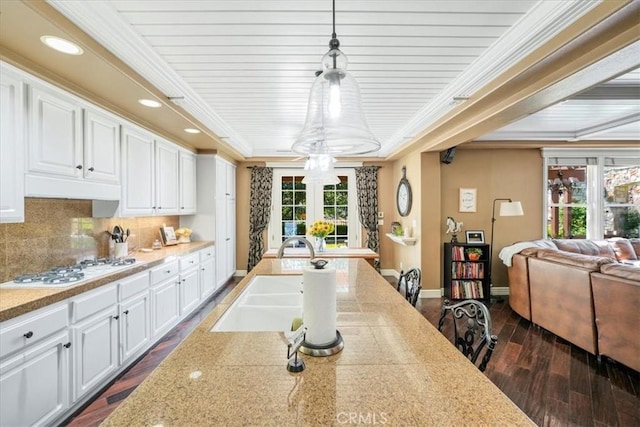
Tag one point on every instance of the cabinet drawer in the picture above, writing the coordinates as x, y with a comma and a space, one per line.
207, 253
93, 302
134, 285
189, 261
164, 271
30, 328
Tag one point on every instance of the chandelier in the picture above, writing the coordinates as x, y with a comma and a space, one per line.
560, 184
335, 123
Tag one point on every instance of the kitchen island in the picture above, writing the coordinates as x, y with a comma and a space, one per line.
395, 369
337, 253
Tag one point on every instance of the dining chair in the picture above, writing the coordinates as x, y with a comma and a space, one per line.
471, 324
411, 283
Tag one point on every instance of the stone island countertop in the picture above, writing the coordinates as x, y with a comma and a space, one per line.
395, 369
17, 301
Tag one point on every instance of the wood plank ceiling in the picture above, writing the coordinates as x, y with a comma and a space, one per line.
245, 67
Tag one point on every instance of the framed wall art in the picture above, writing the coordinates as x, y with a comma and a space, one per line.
475, 236
468, 199
168, 236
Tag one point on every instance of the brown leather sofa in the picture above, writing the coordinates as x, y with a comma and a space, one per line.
581, 291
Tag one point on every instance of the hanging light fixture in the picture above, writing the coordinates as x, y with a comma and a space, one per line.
335, 123
560, 184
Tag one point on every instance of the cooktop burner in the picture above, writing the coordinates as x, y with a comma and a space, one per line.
87, 269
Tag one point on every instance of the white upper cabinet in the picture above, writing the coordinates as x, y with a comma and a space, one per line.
138, 173
167, 178
225, 179
187, 183
73, 147
11, 147
55, 137
101, 147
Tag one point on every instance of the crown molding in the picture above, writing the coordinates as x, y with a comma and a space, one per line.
543, 22
102, 22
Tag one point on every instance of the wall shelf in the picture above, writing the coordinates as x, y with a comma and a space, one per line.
404, 241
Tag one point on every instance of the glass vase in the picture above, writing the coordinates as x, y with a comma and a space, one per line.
321, 245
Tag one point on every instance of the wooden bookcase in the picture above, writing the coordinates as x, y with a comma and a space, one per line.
465, 278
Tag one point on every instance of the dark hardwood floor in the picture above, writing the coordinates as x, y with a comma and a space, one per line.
551, 380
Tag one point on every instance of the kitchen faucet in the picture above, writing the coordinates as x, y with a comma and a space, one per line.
298, 238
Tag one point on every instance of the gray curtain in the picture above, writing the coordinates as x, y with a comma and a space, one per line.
367, 186
259, 212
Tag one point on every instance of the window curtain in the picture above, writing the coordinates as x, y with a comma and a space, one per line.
367, 187
259, 212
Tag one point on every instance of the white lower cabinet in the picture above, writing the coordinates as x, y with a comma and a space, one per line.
54, 358
34, 384
165, 298
135, 334
189, 283
95, 338
207, 273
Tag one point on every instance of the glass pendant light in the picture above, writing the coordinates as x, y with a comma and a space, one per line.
335, 123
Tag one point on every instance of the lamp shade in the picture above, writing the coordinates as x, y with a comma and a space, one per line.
335, 119
511, 209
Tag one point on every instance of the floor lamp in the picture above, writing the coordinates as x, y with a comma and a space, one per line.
507, 208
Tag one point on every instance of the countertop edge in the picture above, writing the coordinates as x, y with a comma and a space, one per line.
31, 299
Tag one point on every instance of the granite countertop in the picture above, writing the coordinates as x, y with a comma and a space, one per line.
395, 369
17, 301
330, 253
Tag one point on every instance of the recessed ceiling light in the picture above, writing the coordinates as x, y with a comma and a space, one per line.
62, 45
150, 103
191, 130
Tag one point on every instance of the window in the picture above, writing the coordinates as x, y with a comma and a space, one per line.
590, 195
297, 205
621, 214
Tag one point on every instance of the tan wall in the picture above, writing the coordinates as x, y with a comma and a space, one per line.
430, 216
515, 174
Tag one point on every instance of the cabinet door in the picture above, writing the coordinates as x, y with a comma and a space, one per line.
189, 291
221, 242
55, 137
101, 147
231, 238
11, 147
221, 179
166, 178
137, 173
187, 183
207, 278
96, 351
165, 310
34, 385
230, 172
134, 326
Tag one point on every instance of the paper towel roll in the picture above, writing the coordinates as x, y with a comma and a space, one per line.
319, 305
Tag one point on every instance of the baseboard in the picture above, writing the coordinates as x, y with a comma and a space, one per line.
240, 273
431, 293
390, 272
504, 290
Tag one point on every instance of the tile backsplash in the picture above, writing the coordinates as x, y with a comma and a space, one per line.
62, 232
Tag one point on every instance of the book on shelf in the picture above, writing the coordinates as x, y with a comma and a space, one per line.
469, 270
463, 289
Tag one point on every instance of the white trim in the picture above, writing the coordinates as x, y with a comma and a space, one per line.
541, 23
502, 290
431, 293
240, 273
390, 272
300, 165
107, 26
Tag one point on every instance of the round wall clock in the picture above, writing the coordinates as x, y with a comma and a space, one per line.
403, 195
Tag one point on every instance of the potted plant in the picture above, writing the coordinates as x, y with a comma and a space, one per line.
474, 254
